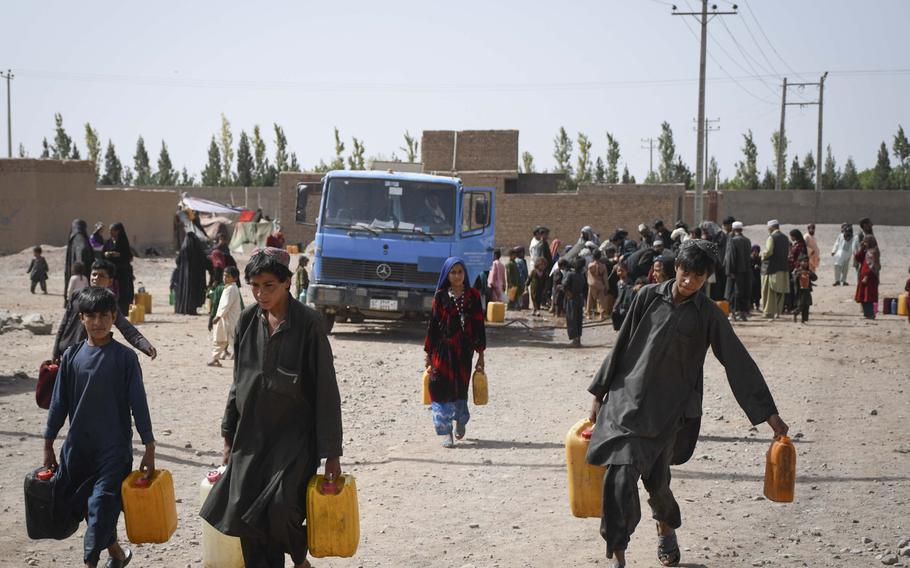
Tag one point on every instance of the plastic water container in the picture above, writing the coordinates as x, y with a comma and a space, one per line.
724, 306
903, 304
481, 388
894, 306
218, 550
780, 471
586, 481
149, 507
333, 517
136, 314
144, 299
496, 312
426, 388
41, 521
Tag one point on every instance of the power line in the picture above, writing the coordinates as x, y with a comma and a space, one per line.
774, 49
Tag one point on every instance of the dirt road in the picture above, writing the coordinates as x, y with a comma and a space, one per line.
499, 498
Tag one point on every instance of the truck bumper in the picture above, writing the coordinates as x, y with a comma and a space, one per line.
371, 302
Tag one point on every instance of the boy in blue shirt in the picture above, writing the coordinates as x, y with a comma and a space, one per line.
98, 386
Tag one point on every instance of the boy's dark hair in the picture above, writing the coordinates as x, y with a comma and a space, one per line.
95, 299
263, 263
497, 253
562, 263
697, 232
106, 266
579, 264
78, 268
37, 249
302, 260
695, 257
234, 273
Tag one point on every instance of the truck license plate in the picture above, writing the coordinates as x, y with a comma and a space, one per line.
384, 305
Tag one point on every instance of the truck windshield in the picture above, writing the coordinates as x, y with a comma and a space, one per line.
378, 205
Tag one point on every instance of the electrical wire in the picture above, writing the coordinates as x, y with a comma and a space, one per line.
774, 49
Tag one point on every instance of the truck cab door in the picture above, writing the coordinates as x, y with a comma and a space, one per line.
477, 231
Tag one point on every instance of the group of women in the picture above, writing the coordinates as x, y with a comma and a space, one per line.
86, 249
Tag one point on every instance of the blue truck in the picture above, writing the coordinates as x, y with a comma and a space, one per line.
382, 238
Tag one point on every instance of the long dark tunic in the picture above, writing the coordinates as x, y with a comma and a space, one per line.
653, 378
283, 414
78, 249
737, 263
124, 265
574, 290
71, 331
190, 277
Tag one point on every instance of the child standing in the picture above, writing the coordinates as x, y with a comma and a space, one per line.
537, 283
301, 279
574, 289
496, 280
803, 277
514, 282
38, 269
660, 351
99, 385
227, 314
77, 282
755, 261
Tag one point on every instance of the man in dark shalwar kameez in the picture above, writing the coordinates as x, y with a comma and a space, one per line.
648, 398
283, 416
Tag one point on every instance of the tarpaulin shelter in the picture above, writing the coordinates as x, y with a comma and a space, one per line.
206, 218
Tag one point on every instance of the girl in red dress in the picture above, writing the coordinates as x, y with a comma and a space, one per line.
869, 259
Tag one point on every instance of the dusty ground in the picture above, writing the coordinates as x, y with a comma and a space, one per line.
499, 499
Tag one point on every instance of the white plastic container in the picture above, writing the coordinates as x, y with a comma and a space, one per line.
218, 550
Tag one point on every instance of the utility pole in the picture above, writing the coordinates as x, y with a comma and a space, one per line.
9, 114
708, 130
703, 19
650, 148
781, 137
780, 143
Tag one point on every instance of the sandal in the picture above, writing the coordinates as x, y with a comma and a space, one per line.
459, 430
668, 550
447, 441
116, 563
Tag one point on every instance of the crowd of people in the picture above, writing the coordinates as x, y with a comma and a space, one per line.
597, 279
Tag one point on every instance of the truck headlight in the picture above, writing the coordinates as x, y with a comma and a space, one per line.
428, 302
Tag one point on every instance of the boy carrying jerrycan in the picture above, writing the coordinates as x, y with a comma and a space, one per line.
660, 350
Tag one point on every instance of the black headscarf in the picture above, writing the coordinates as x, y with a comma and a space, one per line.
78, 249
123, 264
190, 276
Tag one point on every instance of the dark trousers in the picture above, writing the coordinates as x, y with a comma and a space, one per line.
265, 553
103, 509
622, 508
43, 284
574, 317
740, 292
869, 309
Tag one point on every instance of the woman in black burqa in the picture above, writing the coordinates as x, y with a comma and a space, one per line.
78, 249
190, 276
117, 250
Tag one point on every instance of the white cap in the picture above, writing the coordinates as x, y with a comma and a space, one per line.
773, 222
737, 225
642, 227
658, 242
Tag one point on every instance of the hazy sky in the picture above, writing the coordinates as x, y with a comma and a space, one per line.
167, 70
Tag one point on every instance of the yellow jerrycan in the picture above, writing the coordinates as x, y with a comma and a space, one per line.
149, 507
586, 481
332, 516
496, 312
780, 471
426, 388
218, 550
481, 388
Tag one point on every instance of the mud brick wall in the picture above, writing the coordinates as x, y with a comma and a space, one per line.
295, 233
477, 150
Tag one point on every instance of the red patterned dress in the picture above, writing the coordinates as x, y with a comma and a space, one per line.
455, 331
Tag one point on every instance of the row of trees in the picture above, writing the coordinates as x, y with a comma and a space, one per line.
248, 164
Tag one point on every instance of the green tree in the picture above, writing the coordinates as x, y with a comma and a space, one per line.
263, 172
682, 174
809, 169
113, 170
901, 149
338, 162
186, 180
63, 144
881, 175
357, 161
831, 176
652, 177
583, 173
281, 149
600, 171
293, 165
23, 153
527, 163
226, 145
93, 144
798, 177
562, 153
850, 179
747, 170
45, 149
626, 178
127, 177
713, 179
411, 145
244, 175
768, 181
141, 164
211, 173
666, 148
166, 174
612, 170
775, 137
75, 154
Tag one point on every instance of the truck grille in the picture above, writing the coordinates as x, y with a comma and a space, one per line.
342, 269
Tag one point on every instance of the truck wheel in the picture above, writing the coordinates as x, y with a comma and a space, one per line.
329, 320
